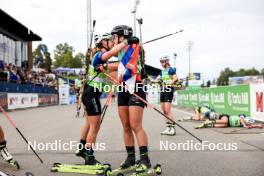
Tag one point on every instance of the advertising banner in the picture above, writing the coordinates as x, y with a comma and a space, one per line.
229, 99
257, 101
18, 100
48, 99
64, 93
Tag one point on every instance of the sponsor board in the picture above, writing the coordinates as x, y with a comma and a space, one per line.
3, 100
19, 100
64, 93
257, 101
228, 99
48, 99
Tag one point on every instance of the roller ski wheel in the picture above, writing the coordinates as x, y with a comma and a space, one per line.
149, 171
14, 163
108, 171
158, 169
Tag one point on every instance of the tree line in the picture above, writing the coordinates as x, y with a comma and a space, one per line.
227, 72
63, 57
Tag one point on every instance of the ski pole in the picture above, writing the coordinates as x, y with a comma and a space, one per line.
153, 107
164, 36
14, 125
108, 100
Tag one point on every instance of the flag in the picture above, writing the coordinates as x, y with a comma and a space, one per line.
127, 69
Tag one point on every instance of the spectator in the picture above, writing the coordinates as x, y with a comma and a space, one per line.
3, 74
14, 77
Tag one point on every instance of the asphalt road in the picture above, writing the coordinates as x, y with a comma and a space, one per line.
58, 124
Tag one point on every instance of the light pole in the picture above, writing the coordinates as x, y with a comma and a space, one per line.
89, 22
134, 12
175, 56
189, 48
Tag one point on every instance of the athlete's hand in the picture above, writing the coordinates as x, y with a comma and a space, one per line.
101, 68
133, 40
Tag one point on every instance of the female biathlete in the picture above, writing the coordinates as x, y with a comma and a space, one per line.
130, 108
168, 77
92, 92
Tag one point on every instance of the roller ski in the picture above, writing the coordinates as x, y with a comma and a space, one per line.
143, 170
97, 169
8, 158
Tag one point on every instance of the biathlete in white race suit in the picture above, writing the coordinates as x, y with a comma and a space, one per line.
92, 92
168, 77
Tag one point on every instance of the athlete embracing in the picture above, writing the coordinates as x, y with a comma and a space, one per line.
130, 108
92, 92
168, 77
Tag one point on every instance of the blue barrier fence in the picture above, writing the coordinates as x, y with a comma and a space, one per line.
25, 88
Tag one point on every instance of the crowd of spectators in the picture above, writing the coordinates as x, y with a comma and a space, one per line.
12, 74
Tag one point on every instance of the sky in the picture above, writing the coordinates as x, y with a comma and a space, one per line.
226, 33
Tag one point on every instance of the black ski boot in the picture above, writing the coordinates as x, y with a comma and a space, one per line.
90, 160
80, 152
143, 164
130, 161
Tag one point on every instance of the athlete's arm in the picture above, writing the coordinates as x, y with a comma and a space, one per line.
242, 121
175, 79
114, 51
113, 66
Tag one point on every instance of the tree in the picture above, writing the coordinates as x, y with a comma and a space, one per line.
63, 55
249, 72
262, 72
78, 60
42, 57
224, 75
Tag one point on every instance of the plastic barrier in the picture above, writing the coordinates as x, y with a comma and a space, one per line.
25, 88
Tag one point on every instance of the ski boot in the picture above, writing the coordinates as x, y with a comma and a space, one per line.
128, 166
8, 158
80, 152
206, 124
169, 131
143, 164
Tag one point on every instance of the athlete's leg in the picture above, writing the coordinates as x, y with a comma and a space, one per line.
167, 112
162, 105
2, 136
123, 112
94, 126
128, 137
135, 120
